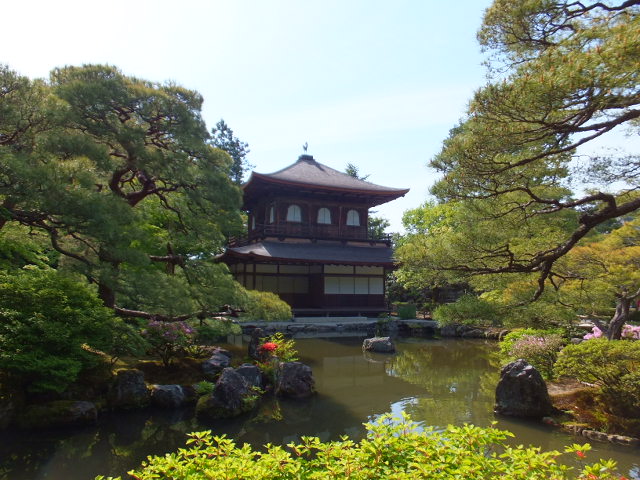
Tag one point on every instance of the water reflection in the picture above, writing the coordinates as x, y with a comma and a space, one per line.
436, 381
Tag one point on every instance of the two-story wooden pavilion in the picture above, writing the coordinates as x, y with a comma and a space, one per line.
308, 240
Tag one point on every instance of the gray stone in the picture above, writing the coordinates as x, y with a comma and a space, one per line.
378, 345
521, 392
128, 390
254, 344
171, 396
294, 380
251, 374
449, 330
231, 397
60, 413
219, 360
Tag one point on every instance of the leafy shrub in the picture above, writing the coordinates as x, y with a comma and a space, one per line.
468, 310
612, 365
512, 337
280, 346
407, 311
167, 338
215, 330
390, 450
541, 351
204, 388
266, 306
51, 329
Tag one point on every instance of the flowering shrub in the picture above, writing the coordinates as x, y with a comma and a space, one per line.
629, 332
167, 338
278, 345
391, 449
269, 347
539, 351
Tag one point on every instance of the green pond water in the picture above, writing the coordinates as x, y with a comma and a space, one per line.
437, 382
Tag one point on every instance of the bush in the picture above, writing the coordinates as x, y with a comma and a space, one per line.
390, 450
266, 306
468, 310
52, 329
167, 339
541, 351
213, 331
407, 311
612, 365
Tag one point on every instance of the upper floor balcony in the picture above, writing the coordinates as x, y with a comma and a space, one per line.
311, 231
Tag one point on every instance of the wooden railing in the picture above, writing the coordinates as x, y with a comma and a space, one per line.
298, 230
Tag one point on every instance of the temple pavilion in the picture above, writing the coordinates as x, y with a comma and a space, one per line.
308, 240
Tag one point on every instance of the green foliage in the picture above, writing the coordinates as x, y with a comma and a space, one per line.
52, 329
224, 139
406, 311
507, 342
204, 388
266, 306
391, 450
285, 349
468, 310
213, 330
540, 350
611, 364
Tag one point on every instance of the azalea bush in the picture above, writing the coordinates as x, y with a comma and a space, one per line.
167, 339
538, 347
392, 449
613, 365
629, 332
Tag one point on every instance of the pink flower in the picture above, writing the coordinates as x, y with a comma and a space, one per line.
596, 333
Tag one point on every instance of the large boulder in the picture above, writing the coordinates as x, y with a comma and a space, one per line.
521, 392
128, 390
219, 360
171, 396
231, 397
251, 374
294, 380
60, 413
378, 345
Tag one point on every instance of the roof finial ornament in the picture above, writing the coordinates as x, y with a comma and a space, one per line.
305, 147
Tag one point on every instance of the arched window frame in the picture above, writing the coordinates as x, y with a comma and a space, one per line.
324, 216
353, 218
294, 213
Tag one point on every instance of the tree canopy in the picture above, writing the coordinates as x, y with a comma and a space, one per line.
120, 176
521, 186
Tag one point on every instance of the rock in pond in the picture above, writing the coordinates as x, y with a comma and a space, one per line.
521, 392
231, 397
251, 374
378, 345
294, 380
219, 360
128, 390
60, 413
172, 396
254, 344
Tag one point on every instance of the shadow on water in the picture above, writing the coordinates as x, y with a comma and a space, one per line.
436, 381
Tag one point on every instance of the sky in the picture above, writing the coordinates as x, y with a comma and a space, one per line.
374, 83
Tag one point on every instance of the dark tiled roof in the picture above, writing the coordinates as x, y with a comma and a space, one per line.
316, 252
306, 171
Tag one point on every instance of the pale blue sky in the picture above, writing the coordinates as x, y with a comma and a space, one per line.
374, 83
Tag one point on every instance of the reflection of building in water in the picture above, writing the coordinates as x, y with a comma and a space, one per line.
341, 372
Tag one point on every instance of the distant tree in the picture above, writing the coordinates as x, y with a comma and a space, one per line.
354, 172
224, 139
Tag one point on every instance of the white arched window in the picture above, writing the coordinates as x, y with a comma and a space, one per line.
353, 218
324, 216
294, 214
272, 214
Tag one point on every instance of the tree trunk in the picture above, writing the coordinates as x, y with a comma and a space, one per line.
107, 295
614, 332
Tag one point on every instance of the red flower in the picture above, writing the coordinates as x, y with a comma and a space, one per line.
269, 346
581, 454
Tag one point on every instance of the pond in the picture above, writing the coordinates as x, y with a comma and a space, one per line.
437, 382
